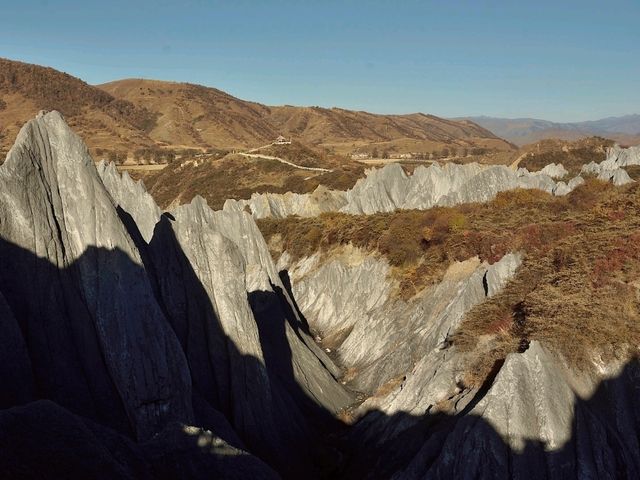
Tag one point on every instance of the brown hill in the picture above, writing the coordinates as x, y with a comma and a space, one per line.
347, 131
193, 115
102, 120
127, 115
238, 176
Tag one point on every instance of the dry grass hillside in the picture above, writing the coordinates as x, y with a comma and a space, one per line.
203, 116
237, 176
192, 115
578, 288
535, 156
121, 117
101, 119
348, 131
572, 154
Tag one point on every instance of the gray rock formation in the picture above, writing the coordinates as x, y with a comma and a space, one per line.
132, 197
566, 188
612, 168
348, 301
139, 320
390, 188
552, 170
623, 157
74, 280
532, 408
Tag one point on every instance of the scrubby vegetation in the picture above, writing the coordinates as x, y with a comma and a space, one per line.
578, 287
234, 176
573, 155
303, 155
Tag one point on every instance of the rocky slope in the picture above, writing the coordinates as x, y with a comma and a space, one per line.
143, 344
138, 320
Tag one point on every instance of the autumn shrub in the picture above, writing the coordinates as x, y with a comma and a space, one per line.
588, 194
633, 171
622, 255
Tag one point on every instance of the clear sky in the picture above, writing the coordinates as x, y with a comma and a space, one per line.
557, 60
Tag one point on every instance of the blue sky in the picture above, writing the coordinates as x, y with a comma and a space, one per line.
557, 60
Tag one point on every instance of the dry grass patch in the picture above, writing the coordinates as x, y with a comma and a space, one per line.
580, 296
571, 154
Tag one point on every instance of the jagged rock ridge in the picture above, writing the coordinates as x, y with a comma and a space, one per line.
390, 188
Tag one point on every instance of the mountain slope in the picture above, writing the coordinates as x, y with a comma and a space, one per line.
196, 115
103, 120
342, 129
625, 129
486, 340
127, 115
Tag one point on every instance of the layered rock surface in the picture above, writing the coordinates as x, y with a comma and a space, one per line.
348, 301
75, 283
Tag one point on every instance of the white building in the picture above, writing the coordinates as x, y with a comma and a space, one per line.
282, 141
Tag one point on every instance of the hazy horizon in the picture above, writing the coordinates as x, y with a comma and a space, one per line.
563, 63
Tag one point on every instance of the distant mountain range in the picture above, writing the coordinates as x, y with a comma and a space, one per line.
625, 129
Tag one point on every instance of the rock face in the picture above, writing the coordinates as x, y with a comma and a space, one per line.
75, 283
150, 345
399, 352
532, 423
139, 320
348, 301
